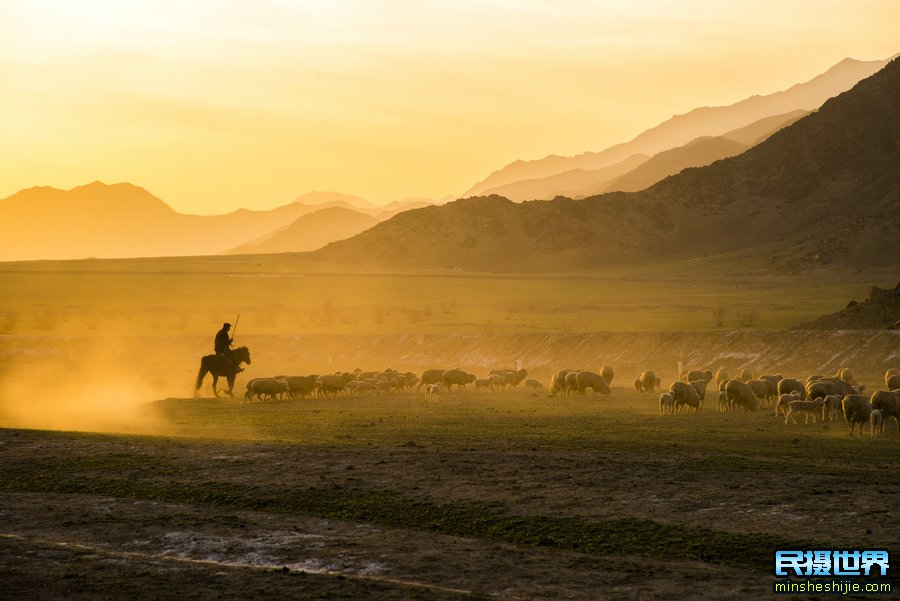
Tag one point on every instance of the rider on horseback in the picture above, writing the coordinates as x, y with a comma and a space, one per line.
223, 346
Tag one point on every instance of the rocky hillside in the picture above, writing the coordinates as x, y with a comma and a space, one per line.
823, 191
881, 310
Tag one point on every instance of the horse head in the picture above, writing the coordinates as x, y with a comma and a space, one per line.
242, 354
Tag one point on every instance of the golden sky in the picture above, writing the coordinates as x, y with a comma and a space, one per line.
214, 105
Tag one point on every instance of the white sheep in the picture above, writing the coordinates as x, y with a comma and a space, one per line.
666, 403
433, 392
806, 407
876, 422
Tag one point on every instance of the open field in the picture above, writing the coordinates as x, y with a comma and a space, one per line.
507, 495
284, 294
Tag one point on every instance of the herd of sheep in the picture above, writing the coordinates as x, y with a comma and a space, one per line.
818, 397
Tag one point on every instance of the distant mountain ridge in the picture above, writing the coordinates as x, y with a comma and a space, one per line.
124, 220
823, 191
681, 129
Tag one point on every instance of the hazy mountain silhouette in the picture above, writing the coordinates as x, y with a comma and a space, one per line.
123, 220
681, 129
568, 183
823, 191
310, 232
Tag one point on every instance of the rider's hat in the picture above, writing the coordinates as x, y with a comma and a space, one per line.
226, 325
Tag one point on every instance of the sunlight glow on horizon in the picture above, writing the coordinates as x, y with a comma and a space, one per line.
213, 106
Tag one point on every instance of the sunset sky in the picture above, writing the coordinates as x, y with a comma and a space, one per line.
215, 105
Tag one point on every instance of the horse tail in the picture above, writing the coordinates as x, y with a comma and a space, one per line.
200, 375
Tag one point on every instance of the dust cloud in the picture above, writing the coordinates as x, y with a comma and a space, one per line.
95, 391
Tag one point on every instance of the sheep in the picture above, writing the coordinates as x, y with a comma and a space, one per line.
513, 377
892, 382
456, 377
572, 383
700, 387
772, 383
789, 385
760, 388
889, 405
781, 406
433, 391
746, 375
806, 407
723, 402
498, 381
532, 384
721, 376
891, 371
832, 407
606, 372
666, 403
483, 384
685, 394
856, 410
430, 376
594, 381
332, 384
695, 375
650, 381
876, 423
267, 387
846, 375
300, 385
638, 385
740, 395
825, 386
558, 382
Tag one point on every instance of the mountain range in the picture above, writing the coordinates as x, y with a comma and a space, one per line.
682, 129
823, 191
124, 220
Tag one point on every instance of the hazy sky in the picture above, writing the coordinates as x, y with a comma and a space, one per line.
214, 105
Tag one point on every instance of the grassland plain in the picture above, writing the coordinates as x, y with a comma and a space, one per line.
513, 495
509, 495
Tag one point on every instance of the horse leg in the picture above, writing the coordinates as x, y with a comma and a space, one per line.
215, 381
230, 385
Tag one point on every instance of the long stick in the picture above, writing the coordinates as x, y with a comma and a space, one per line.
234, 331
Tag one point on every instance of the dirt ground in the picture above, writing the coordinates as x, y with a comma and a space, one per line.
80, 544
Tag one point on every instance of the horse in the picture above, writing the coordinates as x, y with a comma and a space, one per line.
217, 365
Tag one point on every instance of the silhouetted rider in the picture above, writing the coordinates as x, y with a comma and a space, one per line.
223, 345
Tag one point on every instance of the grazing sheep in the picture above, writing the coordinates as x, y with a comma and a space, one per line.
498, 381
456, 377
572, 383
532, 384
589, 379
856, 409
606, 372
889, 405
806, 407
746, 375
650, 381
741, 396
685, 394
666, 403
876, 423
789, 385
814, 378
892, 371
772, 383
825, 386
430, 376
432, 391
760, 388
638, 385
558, 382
832, 407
